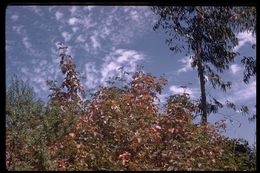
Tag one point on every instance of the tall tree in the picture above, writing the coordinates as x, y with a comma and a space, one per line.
70, 95
209, 33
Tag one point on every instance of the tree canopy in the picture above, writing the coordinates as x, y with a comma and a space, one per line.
209, 34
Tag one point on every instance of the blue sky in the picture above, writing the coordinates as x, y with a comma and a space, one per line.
103, 38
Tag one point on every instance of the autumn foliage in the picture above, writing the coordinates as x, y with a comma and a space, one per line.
118, 128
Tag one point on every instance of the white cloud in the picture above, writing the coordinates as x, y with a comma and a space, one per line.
243, 38
234, 68
134, 15
130, 56
75, 29
88, 23
58, 15
105, 32
120, 57
178, 90
26, 43
240, 92
24, 70
187, 64
39, 71
14, 17
109, 70
95, 43
73, 21
246, 93
89, 8
92, 79
193, 92
35, 9
73, 10
18, 29
113, 25
80, 39
67, 36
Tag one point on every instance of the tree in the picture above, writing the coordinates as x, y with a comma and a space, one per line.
241, 155
209, 33
71, 92
66, 106
181, 104
247, 14
23, 111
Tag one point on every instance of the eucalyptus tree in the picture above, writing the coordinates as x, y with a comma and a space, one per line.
209, 33
245, 18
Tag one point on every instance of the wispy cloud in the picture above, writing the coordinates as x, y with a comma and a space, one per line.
37, 10
19, 29
75, 29
243, 38
14, 17
30, 50
40, 70
73, 10
107, 27
89, 8
92, 79
120, 57
235, 68
95, 29
26, 43
95, 43
58, 15
73, 21
186, 61
109, 68
193, 92
80, 39
66, 35
240, 93
245, 93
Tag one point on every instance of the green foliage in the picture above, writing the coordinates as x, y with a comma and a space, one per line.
23, 112
209, 33
250, 68
241, 156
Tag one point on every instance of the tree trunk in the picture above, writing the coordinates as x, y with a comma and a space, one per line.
200, 71
203, 93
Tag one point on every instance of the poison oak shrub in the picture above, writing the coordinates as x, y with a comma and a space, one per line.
127, 123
